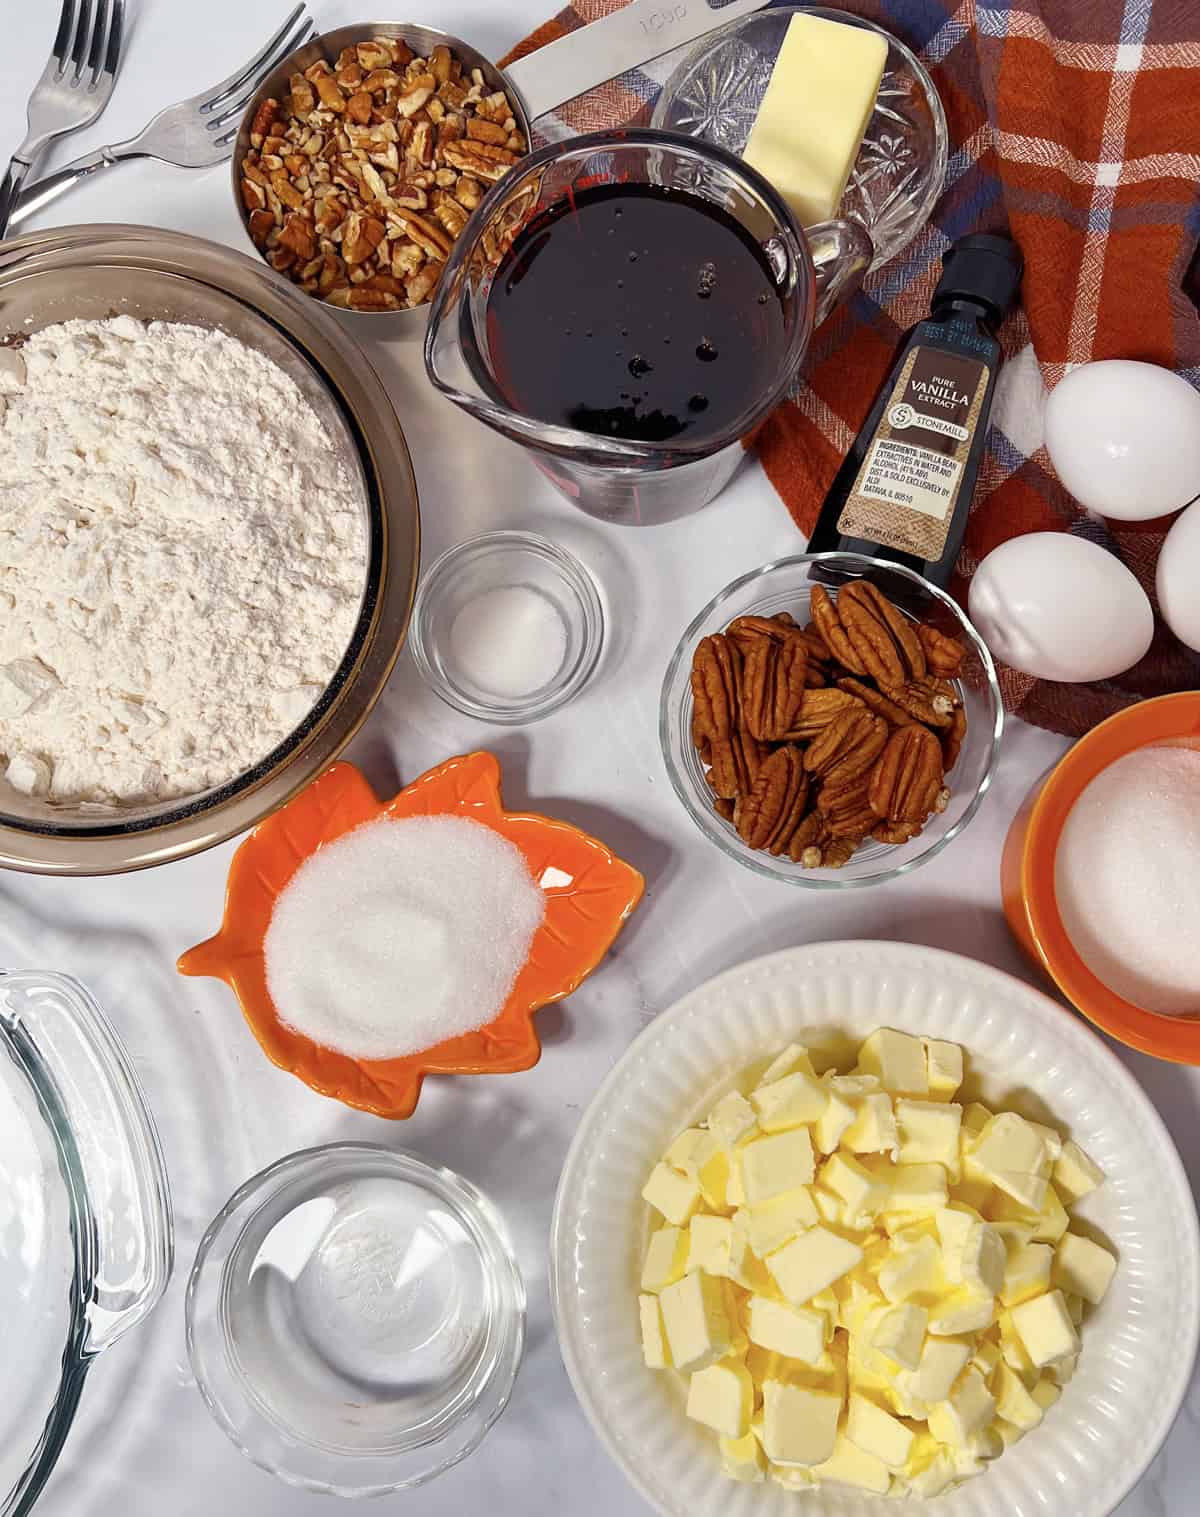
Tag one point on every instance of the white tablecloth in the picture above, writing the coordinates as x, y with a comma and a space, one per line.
143, 1443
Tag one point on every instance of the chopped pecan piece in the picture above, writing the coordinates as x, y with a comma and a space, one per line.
378, 53
254, 197
479, 130
261, 225
906, 780
298, 235
358, 107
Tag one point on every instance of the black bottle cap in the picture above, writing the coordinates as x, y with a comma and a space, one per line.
984, 267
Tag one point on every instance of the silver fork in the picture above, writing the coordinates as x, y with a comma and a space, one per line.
75, 86
195, 134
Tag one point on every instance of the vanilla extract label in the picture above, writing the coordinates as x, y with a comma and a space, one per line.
906, 491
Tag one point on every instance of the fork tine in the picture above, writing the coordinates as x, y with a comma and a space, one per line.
98, 39
236, 105
83, 37
66, 30
112, 58
261, 63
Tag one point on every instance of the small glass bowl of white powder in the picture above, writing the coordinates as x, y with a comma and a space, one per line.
507, 627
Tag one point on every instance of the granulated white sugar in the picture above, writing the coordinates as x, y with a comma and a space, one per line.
509, 642
1127, 879
401, 934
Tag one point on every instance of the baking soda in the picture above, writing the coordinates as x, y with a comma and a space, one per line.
509, 642
401, 934
1127, 879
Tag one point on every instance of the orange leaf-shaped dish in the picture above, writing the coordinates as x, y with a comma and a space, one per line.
589, 894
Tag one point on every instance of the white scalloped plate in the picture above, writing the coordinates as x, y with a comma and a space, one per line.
1138, 1347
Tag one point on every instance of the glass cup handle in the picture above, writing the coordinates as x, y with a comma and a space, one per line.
841, 253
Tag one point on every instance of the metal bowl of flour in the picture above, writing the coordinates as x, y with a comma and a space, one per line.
95, 272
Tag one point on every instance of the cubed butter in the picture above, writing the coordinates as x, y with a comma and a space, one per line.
982, 1260
1045, 1393
929, 1132
850, 1465
961, 1311
833, 1122
942, 1362
799, 1424
969, 1407
899, 1334
877, 1432
676, 1196
666, 1258
1076, 1174
1010, 1154
1046, 1329
1083, 1268
721, 1396
1013, 1402
787, 1062
987, 1357
1026, 1273
1046, 1226
773, 1165
714, 1175
897, 1060
732, 1119
654, 1342
920, 1189
696, 1319
1051, 1138
710, 1240
912, 1271
743, 1460
975, 1118
795, 1100
944, 1066
831, 1207
689, 1150
797, 1332
771, 1224
811, 1262
873, 1130
862, 1192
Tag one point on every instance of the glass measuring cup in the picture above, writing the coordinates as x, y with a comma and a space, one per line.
620, 479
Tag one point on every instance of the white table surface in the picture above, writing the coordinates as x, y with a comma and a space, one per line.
143, 1442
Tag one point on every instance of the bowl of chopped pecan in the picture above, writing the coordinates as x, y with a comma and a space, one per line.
362, 155
831, 720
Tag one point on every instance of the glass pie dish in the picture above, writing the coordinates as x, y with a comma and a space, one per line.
85, 1215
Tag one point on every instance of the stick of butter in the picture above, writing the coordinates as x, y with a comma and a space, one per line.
810, 125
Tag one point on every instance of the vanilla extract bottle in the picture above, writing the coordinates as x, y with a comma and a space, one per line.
904, 490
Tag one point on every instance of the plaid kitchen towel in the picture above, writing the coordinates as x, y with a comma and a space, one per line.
1076, 124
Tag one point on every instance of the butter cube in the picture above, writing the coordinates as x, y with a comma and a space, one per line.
929, 1132
732, 1119
1011, 1155
654, 1343
799, 1423
689, 1150
897, 1060
787, 1062
744, 1268
1013, 1402
873, 1130
851, 1087
953, 1223
944, 1065
877, 1432
919, 1189
743, 1460
831, 1207
1013, 1350
987, 1357
774, 1165
771, 1224
832, 1124
695, 1315
713, 1177
792, 1477
962, 1311
791, 1102
862, 1192
722, 1398
942, 1361
709, 1245
810, 1263
676, 1196
1026, 1273
912, 1271
982, 1261
1045, 1393
1046, 1329
666, 1259
1063, 1369
735, 1196
794, 1331
851, 1465
1083, 1268
966, 1411
1051, 1138
935, 1478
900, 1334
975, 1118
1046, 1226
1076, 1174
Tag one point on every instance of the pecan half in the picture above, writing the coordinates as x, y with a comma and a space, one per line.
842, 739
770, 814
883, 637
943, 654
772, 685
930, 700
908, 776
716, 673
833, 634
895, 832
876, 701
817, 709
847, 808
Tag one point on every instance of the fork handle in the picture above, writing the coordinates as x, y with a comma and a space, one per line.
39, 195
10, 193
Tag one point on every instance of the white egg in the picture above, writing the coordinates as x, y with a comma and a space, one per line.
1124, 438
1178, 581
1059, 607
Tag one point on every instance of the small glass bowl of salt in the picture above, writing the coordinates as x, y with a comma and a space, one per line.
356, 1319
507, 627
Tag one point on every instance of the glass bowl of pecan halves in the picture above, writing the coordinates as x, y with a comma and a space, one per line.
831, 720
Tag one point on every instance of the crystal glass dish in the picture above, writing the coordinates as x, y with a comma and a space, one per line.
786, 586
356, 1319
500, 561
900, 171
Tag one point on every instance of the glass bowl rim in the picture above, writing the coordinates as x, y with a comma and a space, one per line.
733, 847
571, 570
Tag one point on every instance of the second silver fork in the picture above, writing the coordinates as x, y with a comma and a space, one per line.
197, 133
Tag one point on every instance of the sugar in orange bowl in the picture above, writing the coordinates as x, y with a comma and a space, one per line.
586, 895
1039, 920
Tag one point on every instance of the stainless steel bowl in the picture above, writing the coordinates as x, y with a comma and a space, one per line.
92, 272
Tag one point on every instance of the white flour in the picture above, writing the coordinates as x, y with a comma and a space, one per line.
182, 559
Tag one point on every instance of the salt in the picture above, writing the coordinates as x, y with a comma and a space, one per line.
1127, 879
401, 934
509, 642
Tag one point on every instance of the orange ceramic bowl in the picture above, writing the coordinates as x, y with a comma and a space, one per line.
589, 894
1027, 873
